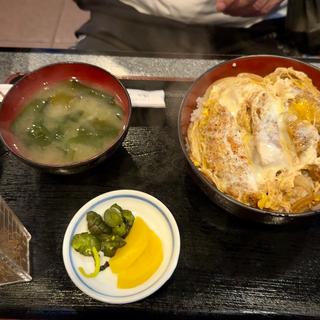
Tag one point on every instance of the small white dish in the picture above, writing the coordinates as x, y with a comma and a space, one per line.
104, 286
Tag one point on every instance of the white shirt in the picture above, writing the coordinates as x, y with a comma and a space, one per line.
198, 12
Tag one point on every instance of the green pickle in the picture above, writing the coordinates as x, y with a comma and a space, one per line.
128, 217
121, 230
107, 233
115, 205
110, 244
96, 225
84, 242
113, 217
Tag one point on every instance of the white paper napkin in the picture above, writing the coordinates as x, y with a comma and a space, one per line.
139, 98
147, 99
4, 88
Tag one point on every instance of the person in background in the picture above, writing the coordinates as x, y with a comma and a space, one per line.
183, 27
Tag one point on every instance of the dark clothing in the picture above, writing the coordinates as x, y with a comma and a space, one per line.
303, 24
117, 27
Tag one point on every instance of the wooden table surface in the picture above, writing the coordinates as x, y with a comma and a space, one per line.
227, 267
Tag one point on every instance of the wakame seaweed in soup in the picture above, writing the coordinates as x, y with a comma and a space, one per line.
68, 122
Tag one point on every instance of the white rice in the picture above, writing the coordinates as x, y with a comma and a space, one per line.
198, 110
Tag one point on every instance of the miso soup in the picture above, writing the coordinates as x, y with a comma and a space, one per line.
68, 122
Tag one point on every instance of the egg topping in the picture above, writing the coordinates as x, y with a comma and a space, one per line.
257, 139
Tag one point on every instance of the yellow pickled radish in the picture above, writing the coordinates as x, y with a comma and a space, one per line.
137, 241
143, 267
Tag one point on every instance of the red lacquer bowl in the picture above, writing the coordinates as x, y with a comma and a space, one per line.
260, 65
25, 89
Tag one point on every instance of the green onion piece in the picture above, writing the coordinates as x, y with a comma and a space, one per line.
96, 258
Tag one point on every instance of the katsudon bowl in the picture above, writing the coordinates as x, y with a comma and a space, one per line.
260, 65
65, 117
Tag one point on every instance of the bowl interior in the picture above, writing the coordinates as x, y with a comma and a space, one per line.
260, 65
25, 89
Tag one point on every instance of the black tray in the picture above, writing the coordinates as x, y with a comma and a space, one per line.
227, 267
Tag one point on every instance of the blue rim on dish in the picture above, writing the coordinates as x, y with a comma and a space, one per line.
138, 294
